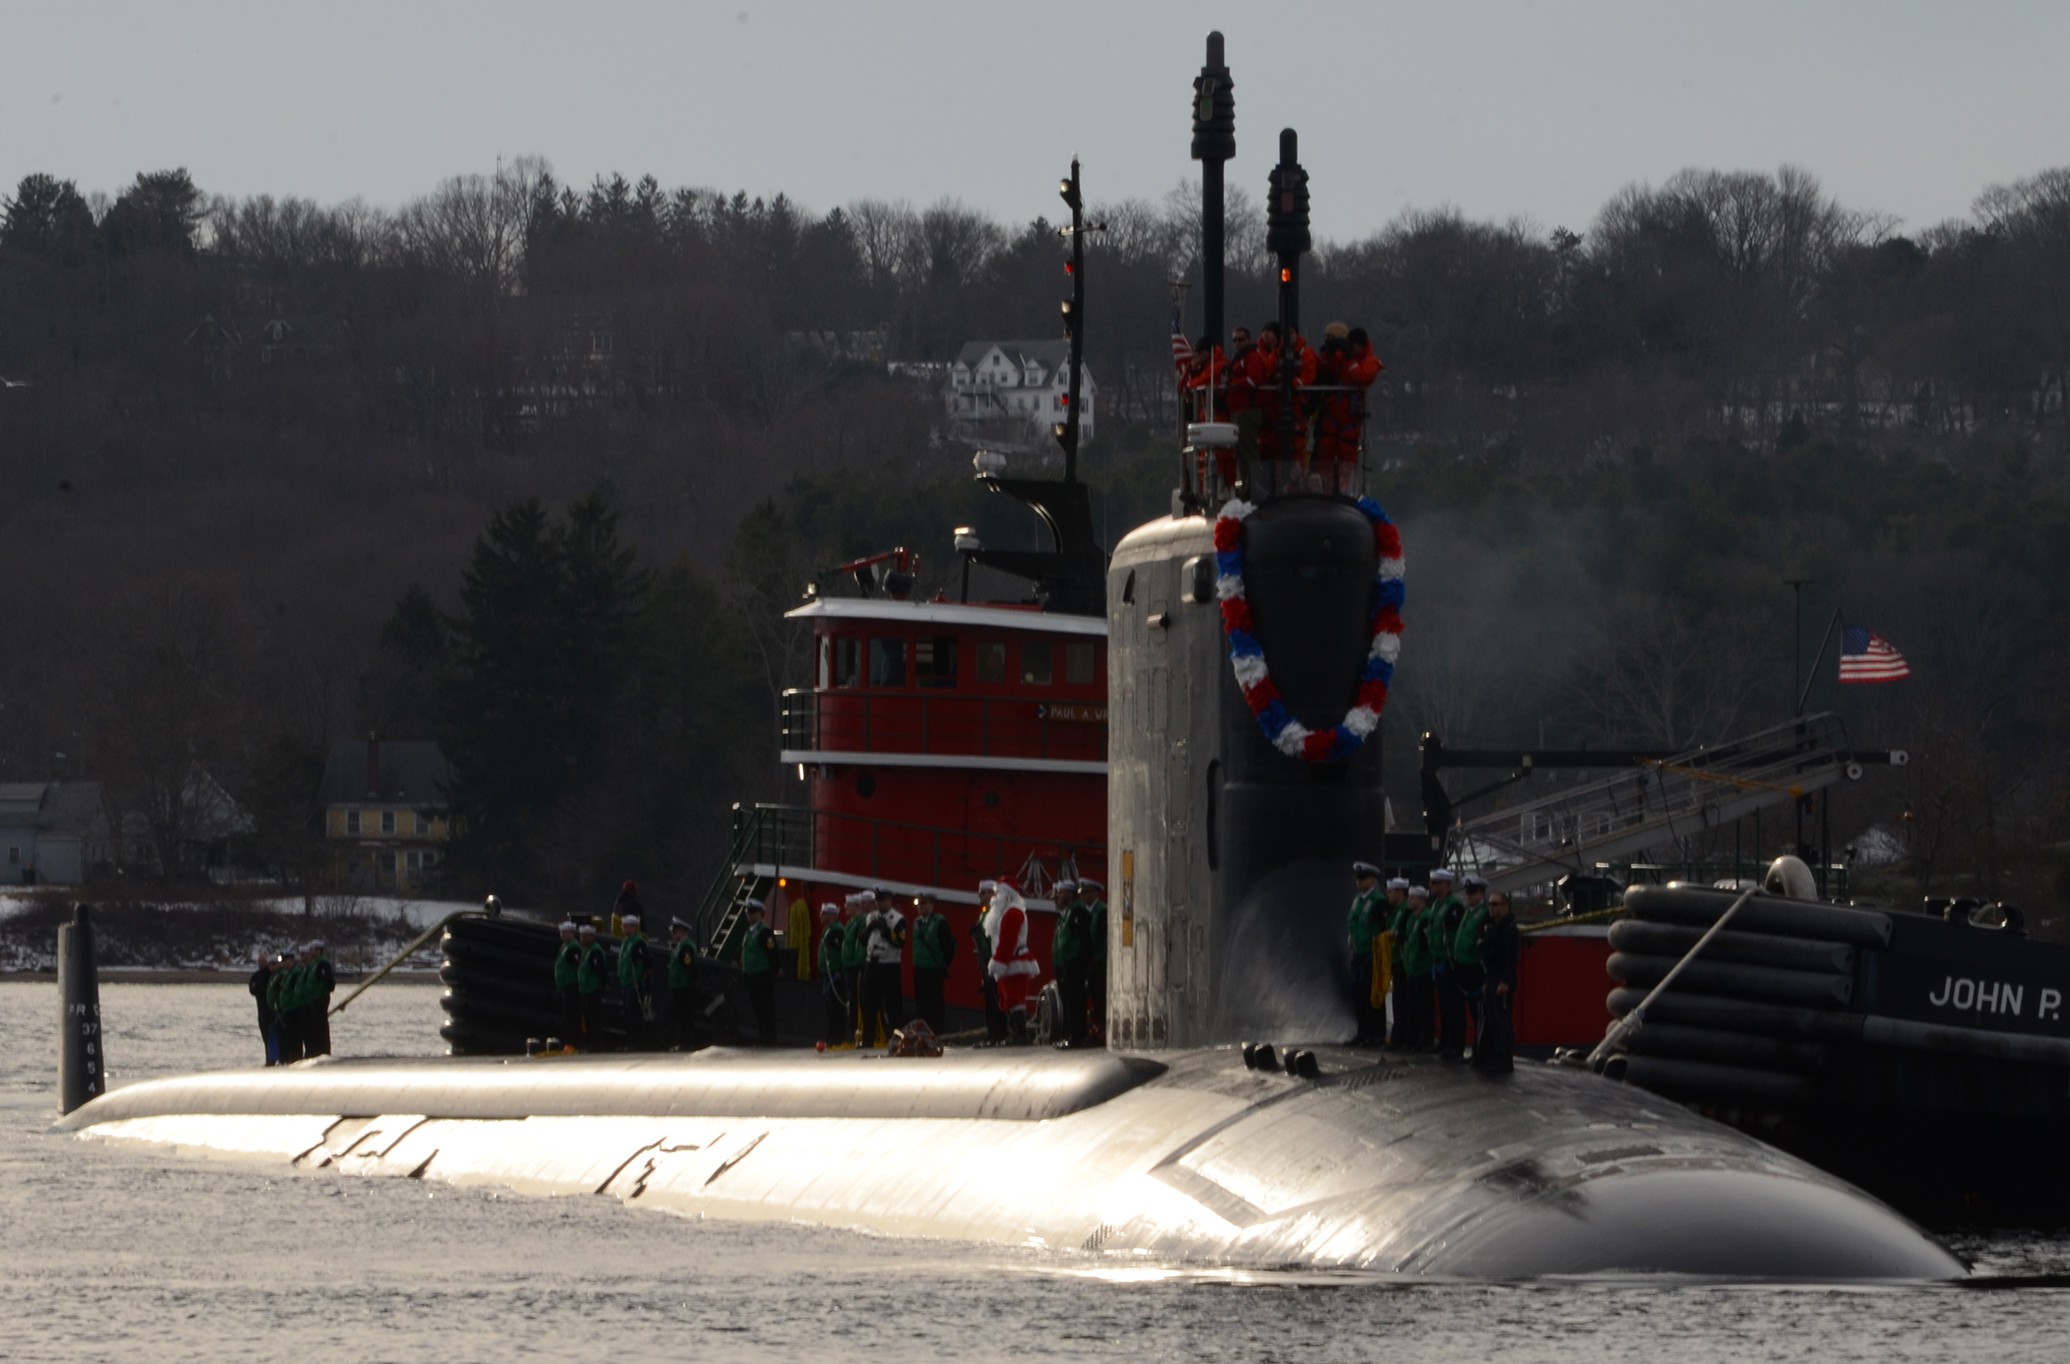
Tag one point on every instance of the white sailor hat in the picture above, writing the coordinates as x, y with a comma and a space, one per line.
587, 927
1064, 887
829, 907
679, 923
567, 925
1364, 869
633, 920
1441, 874
879, 892
317, 944
1473, 880
1420, 891
1397, 883
753, 907
1087, 883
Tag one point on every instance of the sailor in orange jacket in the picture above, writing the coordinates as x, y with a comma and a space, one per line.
1263, 372
1350, 368
1205, 381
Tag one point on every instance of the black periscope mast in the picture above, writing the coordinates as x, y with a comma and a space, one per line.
1176, 1146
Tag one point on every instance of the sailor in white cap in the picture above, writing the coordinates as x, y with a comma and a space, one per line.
565, 964
1412, 1004
592, 970
981, 930
1388, 939
854, 958
833, 978
1466, 952
1069, 947
1446, 910
1362, 924
884, 949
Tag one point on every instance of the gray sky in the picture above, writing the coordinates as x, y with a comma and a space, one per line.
1504, 108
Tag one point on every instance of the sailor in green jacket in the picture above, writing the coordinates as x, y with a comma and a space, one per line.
633, 985
1446, 910
934, 947
1412, 981
758, 971
1466, 950
1096, 956
565, 963
833, 977
682, 982
281, 990
855, 955
592, 969
1362, 923
1067, 951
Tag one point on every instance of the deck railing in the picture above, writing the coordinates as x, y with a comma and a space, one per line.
795, 838
947, 725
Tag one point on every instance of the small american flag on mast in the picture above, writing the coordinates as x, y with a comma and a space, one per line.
1182, 349
1866, 657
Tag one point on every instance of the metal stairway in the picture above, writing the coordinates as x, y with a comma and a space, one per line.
1658, 801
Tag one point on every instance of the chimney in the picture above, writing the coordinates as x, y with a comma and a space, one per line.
373, 767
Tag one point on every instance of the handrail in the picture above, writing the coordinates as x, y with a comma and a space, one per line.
1636, 1019
416, 945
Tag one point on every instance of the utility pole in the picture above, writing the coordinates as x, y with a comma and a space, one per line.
1066, 431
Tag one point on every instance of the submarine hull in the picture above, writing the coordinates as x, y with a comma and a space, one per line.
1186, 1157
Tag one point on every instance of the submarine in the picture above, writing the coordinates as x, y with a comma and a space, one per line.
1252, 632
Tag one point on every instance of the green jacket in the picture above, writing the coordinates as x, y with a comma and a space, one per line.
756, 943
1411, 940
1441, 925
1366, 920
1073, 935
933, 943
979, 940
831, 949
855, 943
565, 964
1466, 943
591, 962
682, 964
632, 964
1099, 930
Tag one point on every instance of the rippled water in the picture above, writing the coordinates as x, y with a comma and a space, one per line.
112, 1253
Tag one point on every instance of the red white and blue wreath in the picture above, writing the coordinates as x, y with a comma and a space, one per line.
1247, 656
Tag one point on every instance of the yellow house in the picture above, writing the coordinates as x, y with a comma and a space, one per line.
384, 814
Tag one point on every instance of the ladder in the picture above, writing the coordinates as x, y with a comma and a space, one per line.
1657, 801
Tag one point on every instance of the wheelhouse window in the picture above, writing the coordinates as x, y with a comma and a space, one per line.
991, 662
887, 663
352, 821
1078, 664
934, 661
388, 821
1036, 668
847, 662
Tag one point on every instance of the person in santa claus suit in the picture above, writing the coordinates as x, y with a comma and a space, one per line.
1013, 967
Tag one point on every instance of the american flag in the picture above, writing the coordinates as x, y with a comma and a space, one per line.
1182, 349
1866, 657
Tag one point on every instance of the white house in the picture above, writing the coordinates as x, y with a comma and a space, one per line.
1023, 381
50, 832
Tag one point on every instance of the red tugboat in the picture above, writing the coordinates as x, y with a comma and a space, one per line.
943, 743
